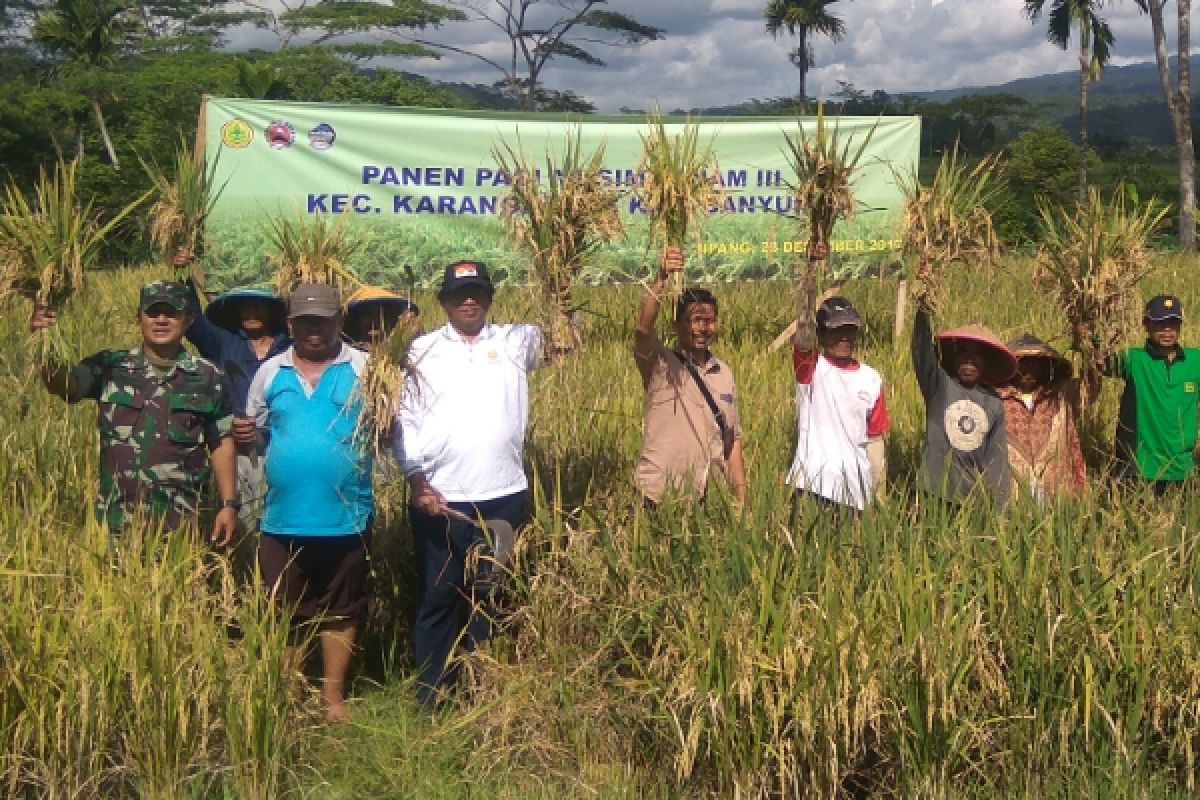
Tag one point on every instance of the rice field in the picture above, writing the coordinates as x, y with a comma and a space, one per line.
770, 651
735, 247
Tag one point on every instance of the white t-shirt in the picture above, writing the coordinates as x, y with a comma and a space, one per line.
837, 410
463, 416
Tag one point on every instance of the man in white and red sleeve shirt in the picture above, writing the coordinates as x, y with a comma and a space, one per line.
841, 415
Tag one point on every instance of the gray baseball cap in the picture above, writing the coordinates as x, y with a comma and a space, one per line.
314, 300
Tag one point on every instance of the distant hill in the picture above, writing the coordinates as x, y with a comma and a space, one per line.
1127, 85
1125, 107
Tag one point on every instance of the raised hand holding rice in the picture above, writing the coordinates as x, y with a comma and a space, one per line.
678, 187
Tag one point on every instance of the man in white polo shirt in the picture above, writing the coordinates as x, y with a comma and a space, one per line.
462, 429
840, 411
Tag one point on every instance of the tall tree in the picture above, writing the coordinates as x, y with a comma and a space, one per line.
178, 25
1095, 47
803, 19
89, 36
1178, 94
358, 29
538, 31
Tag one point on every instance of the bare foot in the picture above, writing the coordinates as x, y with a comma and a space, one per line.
336, 713
335, 704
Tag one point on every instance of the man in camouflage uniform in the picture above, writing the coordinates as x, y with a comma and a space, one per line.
163, 415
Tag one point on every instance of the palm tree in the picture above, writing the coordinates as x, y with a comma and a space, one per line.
1095, 46
90, 35
803, 18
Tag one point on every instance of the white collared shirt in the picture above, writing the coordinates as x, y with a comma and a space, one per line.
465, 410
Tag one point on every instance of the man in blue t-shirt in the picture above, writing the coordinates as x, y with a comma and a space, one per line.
317, 515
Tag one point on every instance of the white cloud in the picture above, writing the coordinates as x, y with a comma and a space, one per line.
717, 52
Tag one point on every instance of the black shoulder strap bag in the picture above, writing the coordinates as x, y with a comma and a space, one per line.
718, 414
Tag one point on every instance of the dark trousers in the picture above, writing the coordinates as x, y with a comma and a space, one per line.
453, 603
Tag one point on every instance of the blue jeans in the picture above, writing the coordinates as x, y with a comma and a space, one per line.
452, 604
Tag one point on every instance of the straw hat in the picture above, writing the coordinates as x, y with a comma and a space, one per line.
1029, 346
1000, 364
222, 310
367, 296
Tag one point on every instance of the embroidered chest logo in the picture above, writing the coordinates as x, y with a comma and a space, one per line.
966, 425
1189, 387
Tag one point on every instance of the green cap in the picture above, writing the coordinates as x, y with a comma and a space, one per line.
173, 293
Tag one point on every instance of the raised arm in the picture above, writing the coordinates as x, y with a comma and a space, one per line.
805, 338
924, 356
70, 383
645, 340
209, 339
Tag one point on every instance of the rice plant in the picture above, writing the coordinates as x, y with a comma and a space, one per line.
50, 239
185, 197
777, 650
1093, 258
824, 164
311, 249
559, 217
679, 186
823, 190
382, 383
948, 220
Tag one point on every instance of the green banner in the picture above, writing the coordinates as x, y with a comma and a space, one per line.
421, 188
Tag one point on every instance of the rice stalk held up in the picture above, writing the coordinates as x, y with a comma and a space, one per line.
680, 185
558, 217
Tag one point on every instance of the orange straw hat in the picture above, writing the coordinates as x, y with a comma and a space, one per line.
1029, 346
367, 296
1000, 364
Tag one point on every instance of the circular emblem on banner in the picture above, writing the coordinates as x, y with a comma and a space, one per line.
281, 134
237, 133
322, 136
966, 424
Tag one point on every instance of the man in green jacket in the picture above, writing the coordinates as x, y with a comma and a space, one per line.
1156, 425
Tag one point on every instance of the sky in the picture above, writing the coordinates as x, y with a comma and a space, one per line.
717, 52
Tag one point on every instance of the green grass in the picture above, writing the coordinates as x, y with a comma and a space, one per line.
760, 652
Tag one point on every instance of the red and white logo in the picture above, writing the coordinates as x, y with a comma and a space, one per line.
281, 134
466, 271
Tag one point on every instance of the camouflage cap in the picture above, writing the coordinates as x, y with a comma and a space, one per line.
173, 293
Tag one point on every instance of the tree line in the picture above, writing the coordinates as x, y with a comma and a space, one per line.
115, 82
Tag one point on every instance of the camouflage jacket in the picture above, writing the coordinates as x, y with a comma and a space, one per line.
155, 431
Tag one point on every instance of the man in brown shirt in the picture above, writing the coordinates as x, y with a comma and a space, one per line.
683, 441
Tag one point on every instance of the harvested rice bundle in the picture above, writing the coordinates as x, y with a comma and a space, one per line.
948, 220
183, 204
311, 250
680, 185
1092, 258
10, 268
50, 242
824, 167
382, 384
558, 218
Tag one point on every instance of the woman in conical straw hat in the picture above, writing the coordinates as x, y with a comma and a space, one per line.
371, 314
1040, 407
965, 438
